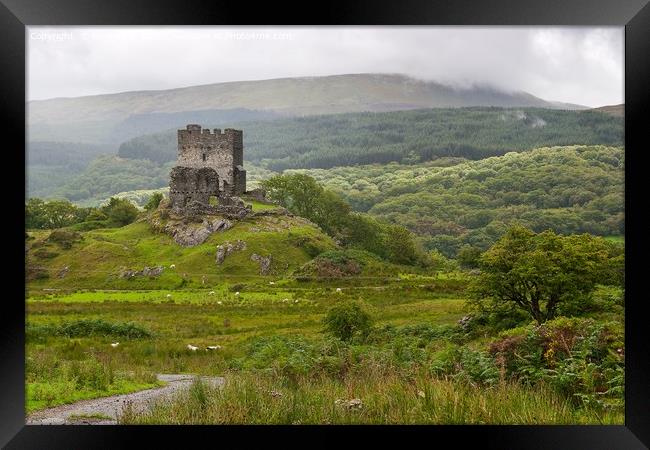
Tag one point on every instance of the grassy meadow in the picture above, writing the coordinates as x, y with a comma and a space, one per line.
279, 365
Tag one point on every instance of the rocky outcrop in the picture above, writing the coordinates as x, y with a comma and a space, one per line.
264, 262
227, 248
146, 272
190, 235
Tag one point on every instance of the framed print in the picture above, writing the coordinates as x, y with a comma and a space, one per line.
404, 218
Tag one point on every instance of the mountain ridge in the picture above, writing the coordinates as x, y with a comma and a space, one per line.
93, 117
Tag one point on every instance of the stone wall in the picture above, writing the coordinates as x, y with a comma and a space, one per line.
221, 151
189, 184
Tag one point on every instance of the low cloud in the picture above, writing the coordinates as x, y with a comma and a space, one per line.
570, 64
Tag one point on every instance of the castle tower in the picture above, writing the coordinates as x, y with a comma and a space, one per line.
223, 152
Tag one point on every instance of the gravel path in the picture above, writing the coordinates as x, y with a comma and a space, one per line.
112, 406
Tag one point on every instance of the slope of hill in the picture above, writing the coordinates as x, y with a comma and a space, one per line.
567, 189
95, 118
107, 258
402, 136
614, 110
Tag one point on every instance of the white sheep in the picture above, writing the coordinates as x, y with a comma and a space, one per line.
213, 347
211, 293
169, 295
191, 347
338, 289
115, 344
237, 293
271, 283
173, 266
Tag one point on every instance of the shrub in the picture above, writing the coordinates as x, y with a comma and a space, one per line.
346, 319
153, 201
64, 238
120, 211
88, 327
581, 358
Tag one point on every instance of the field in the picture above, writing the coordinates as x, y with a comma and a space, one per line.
272, 340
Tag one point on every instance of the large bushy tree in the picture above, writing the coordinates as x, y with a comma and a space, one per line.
302, 195
52, 214
539, 272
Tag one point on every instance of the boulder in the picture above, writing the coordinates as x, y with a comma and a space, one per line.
227, 248
264, 262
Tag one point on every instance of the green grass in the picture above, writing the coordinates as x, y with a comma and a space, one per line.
259, 206
385, 399
102, 255
48, 394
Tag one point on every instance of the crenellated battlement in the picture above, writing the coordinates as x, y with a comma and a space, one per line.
197, 130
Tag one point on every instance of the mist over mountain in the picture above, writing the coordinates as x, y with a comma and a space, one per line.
113, 118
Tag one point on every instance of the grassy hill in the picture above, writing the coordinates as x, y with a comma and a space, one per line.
105, 118
614, 110
98, 259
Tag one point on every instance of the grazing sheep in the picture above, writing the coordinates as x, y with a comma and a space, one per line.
173, 266
213, 347
237, 293
219, 302
115, 344
295, 301
211, 293
271, 283
338, 289
169, 295
191, 347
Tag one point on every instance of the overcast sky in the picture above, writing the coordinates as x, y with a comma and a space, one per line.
581, 65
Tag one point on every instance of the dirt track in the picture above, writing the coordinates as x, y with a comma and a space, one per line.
112, 406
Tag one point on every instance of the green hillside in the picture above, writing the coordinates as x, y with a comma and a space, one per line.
403, 136
98, 259
578, 189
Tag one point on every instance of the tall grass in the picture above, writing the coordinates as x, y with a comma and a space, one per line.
249, 398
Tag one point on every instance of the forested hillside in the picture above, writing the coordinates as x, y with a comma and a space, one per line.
568, 189
404, 136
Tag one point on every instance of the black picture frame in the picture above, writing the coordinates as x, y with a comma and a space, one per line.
634, 15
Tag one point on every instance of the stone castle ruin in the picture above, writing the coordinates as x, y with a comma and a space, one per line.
209, 164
